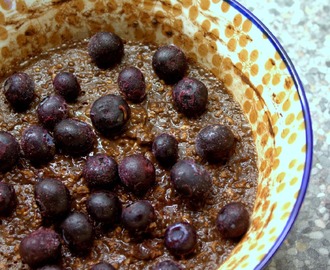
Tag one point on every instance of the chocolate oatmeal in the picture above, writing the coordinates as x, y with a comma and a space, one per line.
232, 181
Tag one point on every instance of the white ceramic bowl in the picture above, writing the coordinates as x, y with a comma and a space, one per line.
227, 39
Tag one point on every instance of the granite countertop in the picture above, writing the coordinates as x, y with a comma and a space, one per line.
302, 28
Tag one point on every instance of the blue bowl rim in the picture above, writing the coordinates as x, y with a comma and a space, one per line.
308, 123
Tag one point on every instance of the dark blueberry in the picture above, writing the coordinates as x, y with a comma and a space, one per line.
19, 90
169, 63
74, 137
215, 143
104, 207
191, 179
8, 199
53, 198
67, 86
167, 265
190, 96
137, 173
103, 266
233, 220
52, 110
77, 232
100, 171
132, 84
40, 247
165, 149
180, 238
138, 216
106, 49
51, 267
9, 151
38, 145
109, 114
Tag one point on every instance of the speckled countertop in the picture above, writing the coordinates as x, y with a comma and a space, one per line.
303, 29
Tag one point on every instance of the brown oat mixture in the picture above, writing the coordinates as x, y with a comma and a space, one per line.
234, 181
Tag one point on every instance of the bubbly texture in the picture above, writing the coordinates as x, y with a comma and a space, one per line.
235, 180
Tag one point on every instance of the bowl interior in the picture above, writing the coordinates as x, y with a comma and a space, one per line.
227, 40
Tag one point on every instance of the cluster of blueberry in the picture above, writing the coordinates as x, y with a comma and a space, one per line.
109, 115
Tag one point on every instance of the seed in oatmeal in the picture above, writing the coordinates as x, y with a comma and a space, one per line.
138, 216
38, 145
137, 173
52, 198
100, 171
9, 151
109, 115
169, 63
191, 180
51, 267
190, 96
19, 90
215, 143
180, 238
67, 86
74, 137
106, 49
233, 220
165, 149
104, 207
52, 110
167, 265
77, 232
132, 84
8, 199
103, 266
40, 247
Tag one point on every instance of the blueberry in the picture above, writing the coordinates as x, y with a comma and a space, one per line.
53, 199
137, 173
132, 84
190, 96
191, 179
103, 266
19, 90
100, 171
106, 49
67, 86
51, 267
52, 110
9, 151
165, 149
8, 199
167, 265
180, 238
38, 145
104, 207
74, 137
40, 247
233, 220
109, 114
169, 63
137, 217
215, 143
77, 232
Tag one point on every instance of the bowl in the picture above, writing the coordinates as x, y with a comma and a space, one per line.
229, 41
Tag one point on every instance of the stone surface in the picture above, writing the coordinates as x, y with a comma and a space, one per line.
302, 28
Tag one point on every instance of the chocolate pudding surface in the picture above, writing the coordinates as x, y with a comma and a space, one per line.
234, 180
